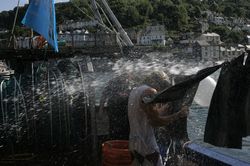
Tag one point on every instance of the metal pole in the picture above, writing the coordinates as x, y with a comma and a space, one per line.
124, 35
96, 11
14, 24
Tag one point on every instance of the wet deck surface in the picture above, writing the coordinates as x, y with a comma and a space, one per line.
241, 156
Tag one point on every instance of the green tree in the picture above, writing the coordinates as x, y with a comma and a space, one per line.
240, 12
235, 37
228, 11
214, 7
183, 17
223, 31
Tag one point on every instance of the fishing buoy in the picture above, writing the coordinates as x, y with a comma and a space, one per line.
205, 91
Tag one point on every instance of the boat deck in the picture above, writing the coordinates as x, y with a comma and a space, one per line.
206, 154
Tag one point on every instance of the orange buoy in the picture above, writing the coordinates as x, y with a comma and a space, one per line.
115, 152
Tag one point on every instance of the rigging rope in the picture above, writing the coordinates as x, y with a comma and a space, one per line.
101, 23
119, 37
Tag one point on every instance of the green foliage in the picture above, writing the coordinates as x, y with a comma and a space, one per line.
177, 15
223, 31
240, 12
214, 7
235, 37
227, 35
22, 31
228, 11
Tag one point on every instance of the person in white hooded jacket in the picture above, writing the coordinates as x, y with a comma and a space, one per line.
143, 118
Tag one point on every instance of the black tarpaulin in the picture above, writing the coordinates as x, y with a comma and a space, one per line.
229, 112
179, 90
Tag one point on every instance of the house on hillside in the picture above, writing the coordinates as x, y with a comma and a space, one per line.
152, 35
71, 25
206, 51
212, 38
207, 46
229, 53
248, 39
186, 47
238, 21
246, 27
219, 20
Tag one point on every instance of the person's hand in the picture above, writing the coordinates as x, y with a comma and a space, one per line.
163, 108
183, 112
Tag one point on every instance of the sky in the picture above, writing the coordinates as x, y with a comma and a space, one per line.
10, 4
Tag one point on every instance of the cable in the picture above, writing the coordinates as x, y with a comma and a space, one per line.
105, 27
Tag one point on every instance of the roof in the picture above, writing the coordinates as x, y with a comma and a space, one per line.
247, 47
202, 43
210, 34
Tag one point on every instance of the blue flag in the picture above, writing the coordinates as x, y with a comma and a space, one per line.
41, 17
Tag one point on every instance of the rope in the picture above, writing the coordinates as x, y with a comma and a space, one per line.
119, 37
100, 23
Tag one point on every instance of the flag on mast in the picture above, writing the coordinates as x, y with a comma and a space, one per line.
42, 18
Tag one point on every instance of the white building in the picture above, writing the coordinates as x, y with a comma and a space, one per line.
218, 20
72, 25
248, 39
238, 21
230, 52
206, 51
213, 38
246, 27
23, 42
208, 47
153, 35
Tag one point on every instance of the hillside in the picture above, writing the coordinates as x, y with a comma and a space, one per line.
176, 15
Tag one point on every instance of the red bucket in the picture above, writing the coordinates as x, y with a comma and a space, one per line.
115, 152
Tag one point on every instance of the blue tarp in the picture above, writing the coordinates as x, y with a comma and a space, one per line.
41, 17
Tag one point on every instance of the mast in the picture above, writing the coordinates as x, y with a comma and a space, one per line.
14, 24
96, 11
117, 24
31, 30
